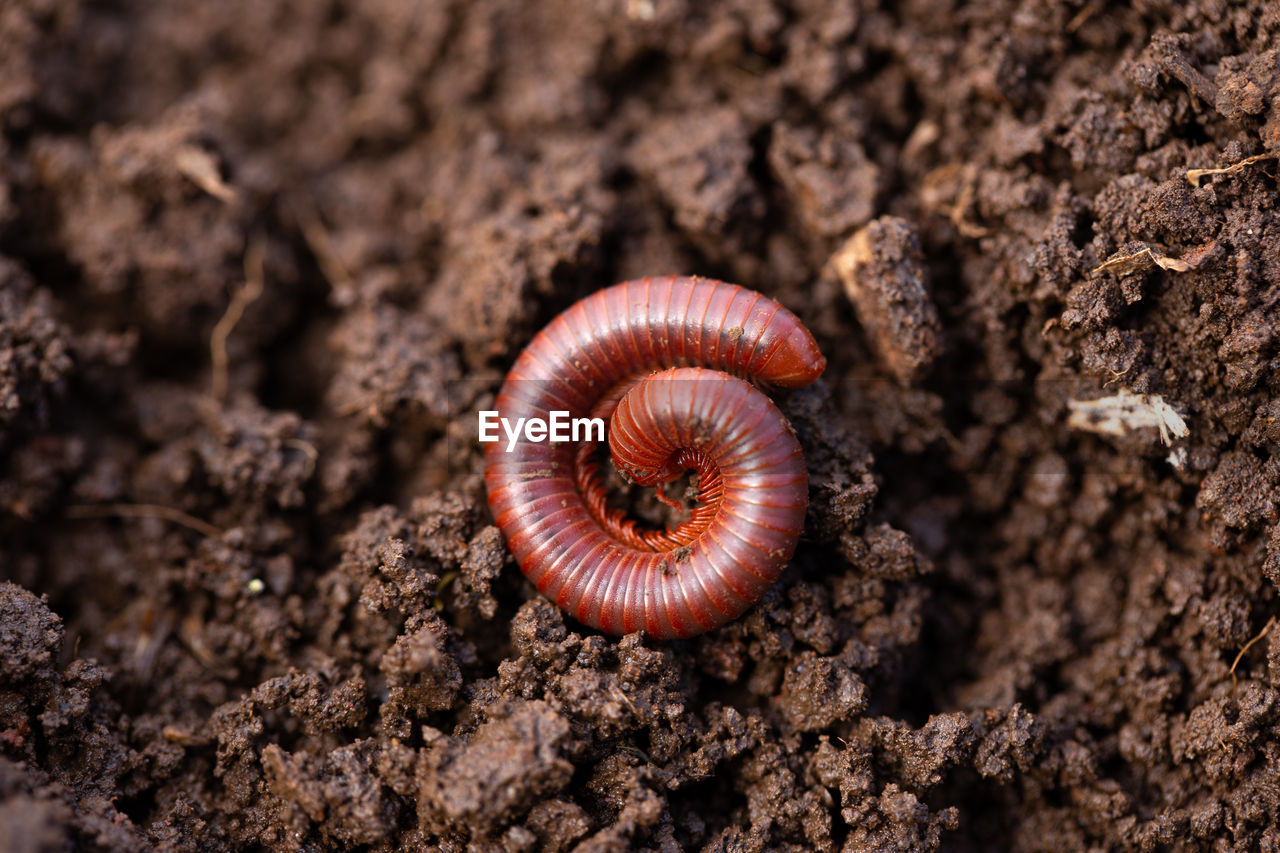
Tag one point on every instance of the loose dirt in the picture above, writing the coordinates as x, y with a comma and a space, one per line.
261, 262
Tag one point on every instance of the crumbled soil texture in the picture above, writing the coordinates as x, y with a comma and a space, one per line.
261, 262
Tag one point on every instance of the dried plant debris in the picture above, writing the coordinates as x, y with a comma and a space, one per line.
201, 167
1133, 259
1121, 414
1196, 175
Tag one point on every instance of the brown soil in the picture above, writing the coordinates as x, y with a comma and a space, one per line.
260, 262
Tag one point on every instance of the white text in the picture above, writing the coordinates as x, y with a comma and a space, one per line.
559, 427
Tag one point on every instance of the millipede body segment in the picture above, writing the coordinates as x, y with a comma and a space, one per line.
666, 361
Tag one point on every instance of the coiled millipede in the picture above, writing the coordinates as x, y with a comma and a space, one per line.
663, 359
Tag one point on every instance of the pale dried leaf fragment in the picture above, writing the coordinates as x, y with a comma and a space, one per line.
200, 167
921, 138
1122, 413
1147, 257
1194, 175
641, 10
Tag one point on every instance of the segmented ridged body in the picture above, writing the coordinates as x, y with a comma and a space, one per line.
550, 507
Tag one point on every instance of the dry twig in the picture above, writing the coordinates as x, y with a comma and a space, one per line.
318, 240
1265, 628
124, 510
1194, 175
254, 284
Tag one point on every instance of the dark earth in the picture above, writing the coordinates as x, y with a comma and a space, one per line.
260, 264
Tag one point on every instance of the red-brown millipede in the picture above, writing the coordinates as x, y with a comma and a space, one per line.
601, 357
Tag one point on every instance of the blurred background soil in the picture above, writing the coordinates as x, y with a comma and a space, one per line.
261, 262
